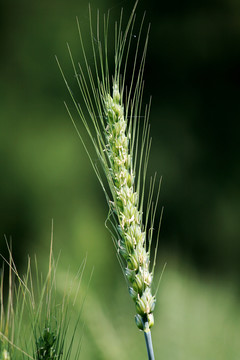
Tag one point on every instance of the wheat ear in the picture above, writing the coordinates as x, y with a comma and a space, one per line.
131, 244
122, 145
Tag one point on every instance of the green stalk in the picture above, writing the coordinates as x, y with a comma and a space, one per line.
149, 345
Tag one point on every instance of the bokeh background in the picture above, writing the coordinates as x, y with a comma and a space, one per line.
193, 75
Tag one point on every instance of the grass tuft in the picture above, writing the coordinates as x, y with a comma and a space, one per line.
35, 321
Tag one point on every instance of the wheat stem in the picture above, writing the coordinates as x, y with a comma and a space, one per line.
149, 345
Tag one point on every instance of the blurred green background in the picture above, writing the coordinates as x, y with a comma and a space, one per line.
193, 74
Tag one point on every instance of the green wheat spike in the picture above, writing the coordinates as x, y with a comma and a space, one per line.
118, 127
